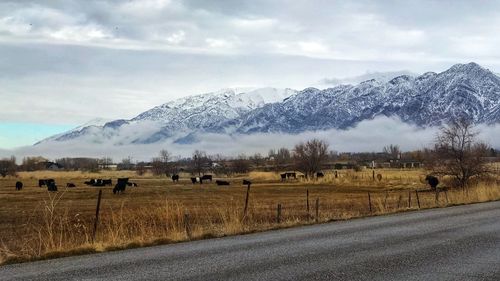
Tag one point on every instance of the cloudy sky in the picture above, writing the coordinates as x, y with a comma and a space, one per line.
65, 62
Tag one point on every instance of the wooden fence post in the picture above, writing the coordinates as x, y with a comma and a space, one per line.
187, 226
278, 214
399, 201
317, 209
246, 202
418, 198
409, 199
370, 202
96, 220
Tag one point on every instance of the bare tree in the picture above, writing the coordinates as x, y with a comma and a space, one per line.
140, 168
459, 154
126, 164
393, 150
199, 162
105, 163
310, 156
33, 163
257, 160
241, 164
8, 167
281, 158
156, 166
164, 158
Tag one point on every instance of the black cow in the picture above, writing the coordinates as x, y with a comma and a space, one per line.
291, 175
70, 184
219, 182
19, 185
320, 175
247, 183
193, 180
175, 178
432, 181
45, 182
107, 182
91, 182
133, 184
120, 186
51, 186
206, 177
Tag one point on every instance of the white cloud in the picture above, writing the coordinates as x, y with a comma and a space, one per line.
311, 47
218, 43
368, 136
80, 33
176, 37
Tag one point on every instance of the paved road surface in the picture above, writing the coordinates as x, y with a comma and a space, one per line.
458, 243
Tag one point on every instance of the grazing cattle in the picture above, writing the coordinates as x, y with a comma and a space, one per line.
175, 178
247, 183
123, 180
45, 182
120, 185
193, 180
19, 185
90, 182
98, 182
51, 186
119, 188
320, 175
206, 177
219, 182
283, 177
133, 184
432, 181
70, 184
291, 175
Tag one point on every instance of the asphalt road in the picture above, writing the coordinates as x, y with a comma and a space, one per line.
458, 243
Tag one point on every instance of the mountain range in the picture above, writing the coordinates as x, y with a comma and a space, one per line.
427, 100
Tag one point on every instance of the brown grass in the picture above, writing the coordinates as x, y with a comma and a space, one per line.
36, 224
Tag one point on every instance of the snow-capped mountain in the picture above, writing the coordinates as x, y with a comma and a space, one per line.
179, 117
464, 90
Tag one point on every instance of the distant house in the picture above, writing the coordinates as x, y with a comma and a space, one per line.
53, 166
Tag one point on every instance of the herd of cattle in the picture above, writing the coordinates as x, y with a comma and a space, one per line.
292, 175
123, 183
51, 185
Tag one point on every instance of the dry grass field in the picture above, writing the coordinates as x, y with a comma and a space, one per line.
35, 223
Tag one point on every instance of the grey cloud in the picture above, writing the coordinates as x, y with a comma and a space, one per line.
71, 60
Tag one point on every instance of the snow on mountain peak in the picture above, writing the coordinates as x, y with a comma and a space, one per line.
430, 99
